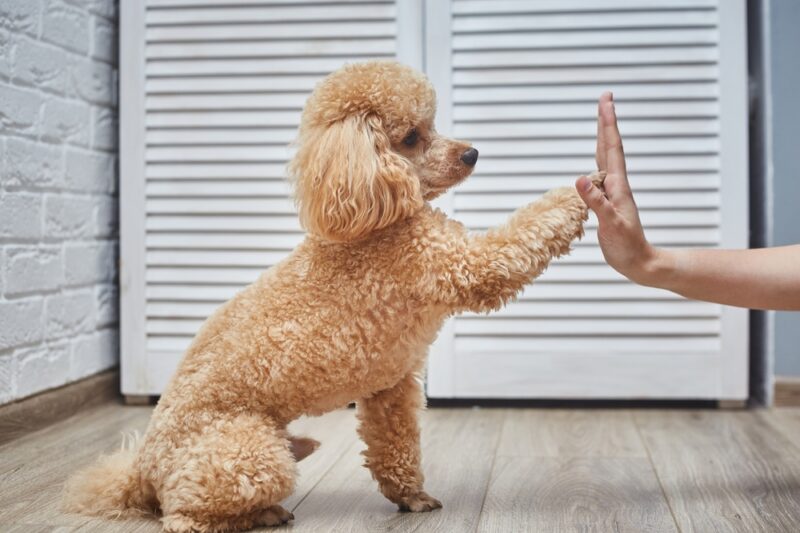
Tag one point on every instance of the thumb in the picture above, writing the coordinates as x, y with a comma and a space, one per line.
594, 198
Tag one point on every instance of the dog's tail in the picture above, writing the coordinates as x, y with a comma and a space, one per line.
109, 488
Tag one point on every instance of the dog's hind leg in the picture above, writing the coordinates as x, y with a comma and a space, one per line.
230, 477
390, 430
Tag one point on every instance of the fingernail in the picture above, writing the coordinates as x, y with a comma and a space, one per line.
586, 183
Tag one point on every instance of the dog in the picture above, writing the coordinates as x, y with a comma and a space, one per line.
347, 316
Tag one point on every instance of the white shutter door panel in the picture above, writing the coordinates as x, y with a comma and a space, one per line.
522, 81
222, 89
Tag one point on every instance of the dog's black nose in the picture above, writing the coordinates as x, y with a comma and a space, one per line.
470, 157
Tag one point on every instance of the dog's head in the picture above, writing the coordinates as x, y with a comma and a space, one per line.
367, 151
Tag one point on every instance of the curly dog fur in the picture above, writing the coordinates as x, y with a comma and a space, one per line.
348, 316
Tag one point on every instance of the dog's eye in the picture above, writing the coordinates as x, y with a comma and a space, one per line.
412, 138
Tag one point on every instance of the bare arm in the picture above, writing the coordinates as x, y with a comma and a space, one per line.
760, 279
767, 278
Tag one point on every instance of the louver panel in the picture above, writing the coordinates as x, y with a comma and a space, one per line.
525, 77
211, 94
225, 84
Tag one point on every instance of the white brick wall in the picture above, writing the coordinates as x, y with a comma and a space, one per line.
58, 187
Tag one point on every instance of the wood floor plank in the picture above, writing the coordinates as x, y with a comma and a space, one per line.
38, 465
573, 470
336, 432
457, 447
555, 470
574, 494
724, 471
39, 528
785, 421
82, 439
571, 433
458, 453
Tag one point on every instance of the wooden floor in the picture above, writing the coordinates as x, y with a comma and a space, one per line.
499, 470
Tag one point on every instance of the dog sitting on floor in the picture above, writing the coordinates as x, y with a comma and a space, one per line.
347, 316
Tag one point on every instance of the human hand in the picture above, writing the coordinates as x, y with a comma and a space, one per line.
620, 232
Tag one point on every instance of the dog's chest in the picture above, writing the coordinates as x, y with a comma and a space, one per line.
371, 363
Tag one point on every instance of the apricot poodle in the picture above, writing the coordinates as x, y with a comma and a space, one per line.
347, 316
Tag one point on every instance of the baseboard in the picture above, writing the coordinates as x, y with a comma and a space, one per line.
29, 414
787, 391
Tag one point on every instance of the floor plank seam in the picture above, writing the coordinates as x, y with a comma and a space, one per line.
324, 474
655, 472
491, 470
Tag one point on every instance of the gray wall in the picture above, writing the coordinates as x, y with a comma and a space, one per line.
784, 103
58, 183
784, 20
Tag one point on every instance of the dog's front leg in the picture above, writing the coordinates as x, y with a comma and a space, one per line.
492, 268
388, 425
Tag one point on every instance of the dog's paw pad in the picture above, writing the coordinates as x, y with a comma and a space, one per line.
419, 503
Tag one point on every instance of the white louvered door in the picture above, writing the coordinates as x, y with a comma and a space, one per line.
521, 79
212, 93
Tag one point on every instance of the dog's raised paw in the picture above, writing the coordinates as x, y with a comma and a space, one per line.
421, 502
274, 515
598, 177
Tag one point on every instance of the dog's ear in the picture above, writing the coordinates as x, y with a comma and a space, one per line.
348, 182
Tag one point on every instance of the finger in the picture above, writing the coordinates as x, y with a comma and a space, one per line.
612, 141
617, 185
600, 151
594, 198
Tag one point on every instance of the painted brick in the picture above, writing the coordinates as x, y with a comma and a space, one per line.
32, 269
22, 322
90, 171
106, 300
94, 353
19, 110
104, 128
65, 121
104, 8
41, 66
93, 81
68, 216
66, 26
106, 222
58, 178
70, 313
31, 164
42, 367
7, 378
104, 40
20, 216
6, 53
20, 15
90, 263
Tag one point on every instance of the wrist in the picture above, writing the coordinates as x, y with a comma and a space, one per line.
655, 268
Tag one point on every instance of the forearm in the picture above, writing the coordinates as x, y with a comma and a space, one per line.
767, 278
